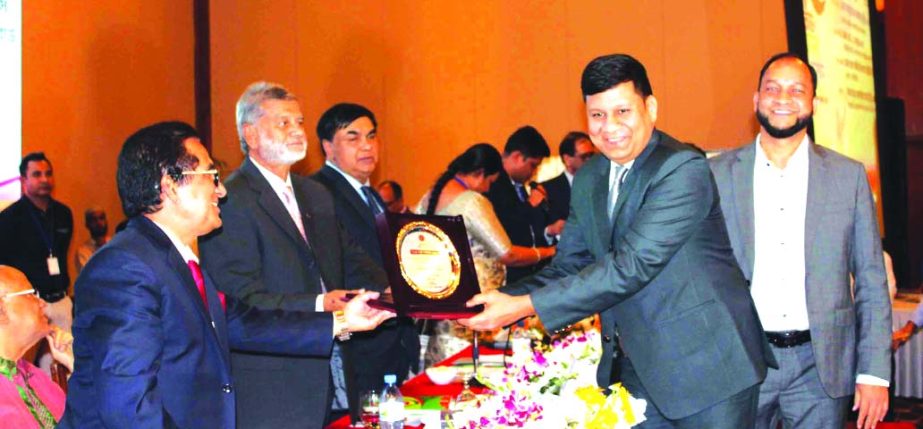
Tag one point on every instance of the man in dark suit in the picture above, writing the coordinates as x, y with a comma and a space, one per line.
152, 333
802, 222
575, 149
648, 251
349, 139
282, 246
523, 214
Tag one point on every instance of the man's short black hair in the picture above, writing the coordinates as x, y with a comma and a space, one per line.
789, 55
568, 145
606, 72
148, 155
338, 117
31, 157
395, 188
527, 141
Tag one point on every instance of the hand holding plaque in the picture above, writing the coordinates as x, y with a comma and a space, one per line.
429, 266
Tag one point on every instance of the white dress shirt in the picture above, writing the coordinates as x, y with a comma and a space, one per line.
779, 207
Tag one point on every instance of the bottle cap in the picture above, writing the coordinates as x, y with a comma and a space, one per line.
390, 378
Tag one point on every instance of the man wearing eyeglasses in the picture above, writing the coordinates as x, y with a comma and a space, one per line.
28, 397
35, 234
152, 333
575, 149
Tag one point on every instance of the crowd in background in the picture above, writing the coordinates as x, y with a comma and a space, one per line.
297, 247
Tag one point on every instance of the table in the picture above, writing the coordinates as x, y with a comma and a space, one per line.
908, 359
420, 385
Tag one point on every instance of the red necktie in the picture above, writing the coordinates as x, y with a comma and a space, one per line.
199, 280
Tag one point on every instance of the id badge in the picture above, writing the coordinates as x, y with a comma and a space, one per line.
53, 267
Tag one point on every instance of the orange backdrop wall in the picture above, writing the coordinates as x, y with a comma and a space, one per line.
440, 75
443, 75
91, 76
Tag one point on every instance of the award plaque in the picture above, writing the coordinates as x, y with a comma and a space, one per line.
429, 266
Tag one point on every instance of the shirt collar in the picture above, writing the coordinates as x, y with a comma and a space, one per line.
799, 158
275, 182
184, 250
626, 166
8, 368
570, 178
357, 185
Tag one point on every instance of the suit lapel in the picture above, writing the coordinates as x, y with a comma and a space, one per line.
600, 198
270, 203
636, 178
325, 265
221, 327
817, 180
742, 188
187, 283
347, 191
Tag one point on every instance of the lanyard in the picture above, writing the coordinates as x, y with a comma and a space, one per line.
460, 182
41, 229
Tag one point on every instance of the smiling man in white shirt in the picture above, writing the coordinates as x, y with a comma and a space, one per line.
801, 220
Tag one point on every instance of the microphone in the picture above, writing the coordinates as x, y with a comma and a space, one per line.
544, 204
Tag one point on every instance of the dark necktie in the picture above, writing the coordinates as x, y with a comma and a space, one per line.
521, 192
614, 190
40, 412
199, 281
372, 199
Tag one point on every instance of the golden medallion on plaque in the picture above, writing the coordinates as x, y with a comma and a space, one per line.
429, 261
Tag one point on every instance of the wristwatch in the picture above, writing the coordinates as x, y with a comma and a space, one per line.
340, 327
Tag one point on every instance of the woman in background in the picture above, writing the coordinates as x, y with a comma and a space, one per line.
458, 191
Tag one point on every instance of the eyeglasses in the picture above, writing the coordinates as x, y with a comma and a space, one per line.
213, 172
586, 156
32, 292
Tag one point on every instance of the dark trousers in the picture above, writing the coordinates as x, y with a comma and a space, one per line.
736, 412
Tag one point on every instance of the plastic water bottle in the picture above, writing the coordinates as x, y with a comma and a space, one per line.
391, 406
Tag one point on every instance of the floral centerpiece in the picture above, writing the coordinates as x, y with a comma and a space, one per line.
552, 385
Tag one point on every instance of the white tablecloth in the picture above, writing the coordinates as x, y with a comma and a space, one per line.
908, 359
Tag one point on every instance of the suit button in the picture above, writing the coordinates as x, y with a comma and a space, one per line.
606, 338
226, 388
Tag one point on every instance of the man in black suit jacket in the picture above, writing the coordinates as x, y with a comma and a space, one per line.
646, 247
524, 215
349, 137
282, 247
575, 149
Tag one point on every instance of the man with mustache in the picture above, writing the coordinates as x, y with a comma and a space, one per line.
152, 332
282, 247
802, 221
645, 247
35, 233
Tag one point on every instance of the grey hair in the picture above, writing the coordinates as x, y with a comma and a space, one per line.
248, 105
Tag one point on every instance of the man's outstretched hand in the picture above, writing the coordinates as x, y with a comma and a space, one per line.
361, 317
500, 310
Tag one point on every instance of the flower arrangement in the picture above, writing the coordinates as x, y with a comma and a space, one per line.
552, 385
